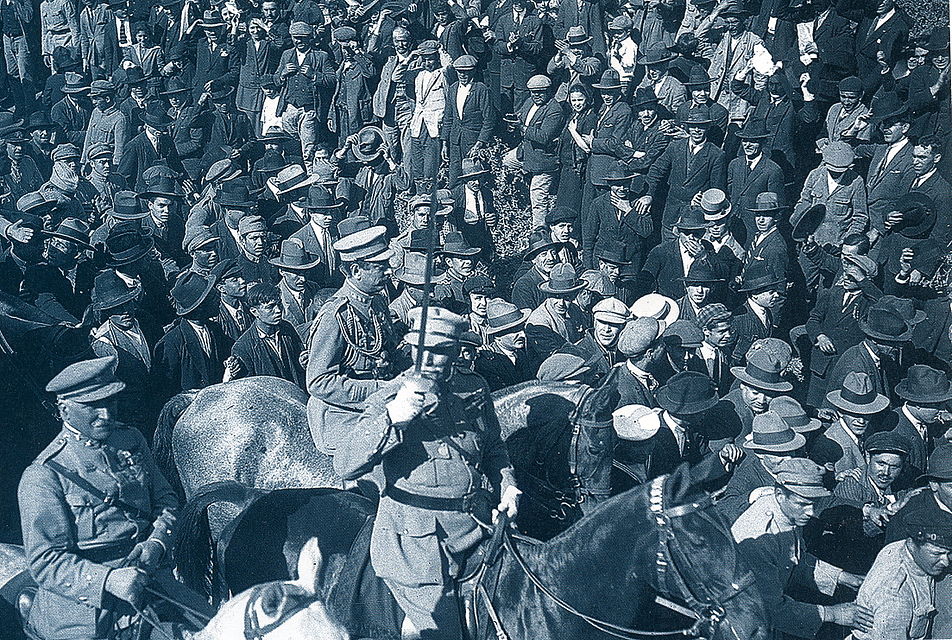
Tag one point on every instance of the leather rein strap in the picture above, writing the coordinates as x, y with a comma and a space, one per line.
293, 603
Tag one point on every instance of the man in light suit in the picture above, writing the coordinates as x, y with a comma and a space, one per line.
467, 117
541, 120
733, 53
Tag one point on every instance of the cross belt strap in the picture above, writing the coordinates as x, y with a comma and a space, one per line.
87, 486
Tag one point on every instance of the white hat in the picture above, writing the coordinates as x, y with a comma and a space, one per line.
654, 305
636, 422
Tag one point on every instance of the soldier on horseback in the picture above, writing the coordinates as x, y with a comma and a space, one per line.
433, 444
97, 514
352, 344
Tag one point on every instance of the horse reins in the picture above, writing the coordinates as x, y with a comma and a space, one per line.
707, 614
295, 603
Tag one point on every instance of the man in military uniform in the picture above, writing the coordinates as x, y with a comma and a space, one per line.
432, 442
96, 513
352, 346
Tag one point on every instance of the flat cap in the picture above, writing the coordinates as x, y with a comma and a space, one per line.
538, 81
612, 311
839, 155
345, 34
638, 335
620, 23
478, 284
65, 151
464, 63
851, 84
251, 224
87, 381
683, 333
923, 525
197, 237
300, 29
801, 476
712, 314
99, 150
563, 367
887, 442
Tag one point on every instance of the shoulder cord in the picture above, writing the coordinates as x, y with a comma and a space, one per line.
349, 331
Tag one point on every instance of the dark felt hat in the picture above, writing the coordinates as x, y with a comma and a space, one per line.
885, 323
924, 385
126, 243
687, 393
111, 291
294, 257
190, 291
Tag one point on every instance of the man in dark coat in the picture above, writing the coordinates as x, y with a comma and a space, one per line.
669, 262
233, 317
756, 318
517, 46
933, 337
151, 147
215, 62
600, 343
468, 117
880, 39
297, 293
543, 254
252, 255
926, 157
587, 14
924, 392
758, 382
504, 362
687, 167
271, 346
614, 218
752, 173
191, 354
607, 140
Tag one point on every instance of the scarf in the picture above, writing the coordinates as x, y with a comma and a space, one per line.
64, 178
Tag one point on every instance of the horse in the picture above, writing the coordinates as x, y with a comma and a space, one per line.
255, 431
14, 578
605, 575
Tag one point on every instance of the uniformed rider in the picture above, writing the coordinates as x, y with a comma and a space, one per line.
352, 343
97, 515
432, 441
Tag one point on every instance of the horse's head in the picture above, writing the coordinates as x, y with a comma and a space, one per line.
697, 565
593, 442
278, 610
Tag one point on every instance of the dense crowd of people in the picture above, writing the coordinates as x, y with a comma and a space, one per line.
740, 214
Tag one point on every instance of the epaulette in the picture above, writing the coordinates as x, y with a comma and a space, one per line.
53, 449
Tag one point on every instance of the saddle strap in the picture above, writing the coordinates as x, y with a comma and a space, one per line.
493, 614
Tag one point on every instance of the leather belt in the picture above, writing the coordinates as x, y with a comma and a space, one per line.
466, 504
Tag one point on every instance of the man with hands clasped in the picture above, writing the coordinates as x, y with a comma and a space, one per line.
431, 442
97, 515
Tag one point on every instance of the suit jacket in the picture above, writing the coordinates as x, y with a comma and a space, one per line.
853, 457
525, 292
499, 371
478, 119
919, 450
686, 176
890, 38
590, 15
255, 66
631, 389
749, 475
773, 250
747, 327
933, 335
729, 58
312, 91
71, 119
847, 209
140, 155
841, 326
608, 145
664, 268
298, 313
260, 359
229, 326
181, 363
539, 149
523, 62
665, 456
743, 185
321, 274
219, 66
884, 184
602, 222
939, 189
648, 143
229, 131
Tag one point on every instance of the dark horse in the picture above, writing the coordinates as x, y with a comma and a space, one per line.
608, 571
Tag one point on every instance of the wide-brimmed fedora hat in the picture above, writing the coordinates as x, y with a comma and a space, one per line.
126, 243
72, 230
766, 202
294, 257
656, 53
906, 307
692, 219
753, 130
759, 276
687, 393
701, 272
806, 222
320, 199
698, 116
503, 316
563, 281
924, 385
918, 214
857, 395
609, 81
577, 36
793, 414
887, 106
771, 433
127, 206
884, 322
939, 466
654, 305
763, 371
539, 242
75, 83
175, 86
413, 269
644, 97
698, 77
290, 179
111, 291
456, 245
190, 291
370, 141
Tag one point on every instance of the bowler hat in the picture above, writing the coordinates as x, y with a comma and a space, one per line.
771, 433
443, 328
111, 291
924, 385
189, 291
87, 381
503, 316
793, 414
126, 206
701, 272
885, 323
857, 395
687, 393
609, 81
763, 371
562, 281
294, 257
801, 476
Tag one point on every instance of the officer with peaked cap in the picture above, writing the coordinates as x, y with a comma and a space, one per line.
96, 512
439, 421
352, 345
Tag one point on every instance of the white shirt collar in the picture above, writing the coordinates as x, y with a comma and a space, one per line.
759, 311
871, 353
920, 426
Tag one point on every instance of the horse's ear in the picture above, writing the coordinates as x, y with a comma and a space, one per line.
309, 565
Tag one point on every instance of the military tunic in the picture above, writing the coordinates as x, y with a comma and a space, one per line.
73, 539
352, 350
450, 451
900, 595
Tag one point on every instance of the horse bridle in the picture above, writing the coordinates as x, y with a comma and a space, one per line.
708, 611
295, 600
